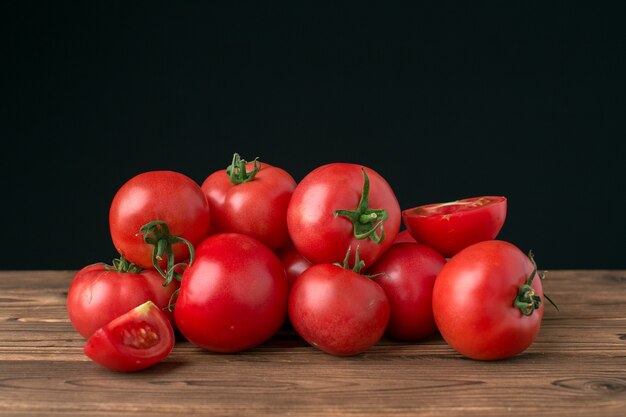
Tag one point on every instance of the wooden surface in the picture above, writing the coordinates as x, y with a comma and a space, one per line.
576, 367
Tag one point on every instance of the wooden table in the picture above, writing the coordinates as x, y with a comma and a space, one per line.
576, 367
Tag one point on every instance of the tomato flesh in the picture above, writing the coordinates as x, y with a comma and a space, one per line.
450, 227
134, 341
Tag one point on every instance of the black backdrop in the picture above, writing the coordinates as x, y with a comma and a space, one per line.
446, 102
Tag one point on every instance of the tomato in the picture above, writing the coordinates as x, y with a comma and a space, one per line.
100, 293
136, 340
475, 297
171, 206
407, 273
404, 236
337, 310
450, 227
234, 296
293, 262
341, 206
252, 199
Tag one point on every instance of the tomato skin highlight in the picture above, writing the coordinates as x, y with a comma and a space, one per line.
97, 295
136, 340
337, 310
257, 208
234, 296
450, 227
322, 237
407, 275
158, 195
473, 301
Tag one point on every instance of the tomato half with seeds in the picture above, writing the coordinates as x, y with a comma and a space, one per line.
451, 227
134, 341
100, 293
488, 301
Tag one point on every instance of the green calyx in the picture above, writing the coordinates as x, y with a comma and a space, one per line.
157, 234
358, 263
527, 301
122, 265
237, 171
366, 221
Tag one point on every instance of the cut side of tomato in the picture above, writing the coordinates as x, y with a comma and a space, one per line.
134, 341
453, 226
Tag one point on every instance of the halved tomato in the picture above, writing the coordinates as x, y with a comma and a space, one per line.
136, 340
450, 227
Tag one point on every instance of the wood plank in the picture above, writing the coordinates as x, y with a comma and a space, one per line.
576, 367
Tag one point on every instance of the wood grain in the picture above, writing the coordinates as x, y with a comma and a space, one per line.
576, 367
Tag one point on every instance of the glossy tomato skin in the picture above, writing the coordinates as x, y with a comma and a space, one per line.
293, 262
473, 301
257, 208
98, 295
450, 227
407, 273
158, 195
404, 236
234, 296
323, 238
136, 340
337, 310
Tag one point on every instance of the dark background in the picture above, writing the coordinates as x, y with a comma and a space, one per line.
445, 102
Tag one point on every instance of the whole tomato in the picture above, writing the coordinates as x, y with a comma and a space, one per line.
136, 340
407, 273
100, 293
450, 227
488, 301
234, 295
293, 262
337, 310
341, 206
156, 217
252, 199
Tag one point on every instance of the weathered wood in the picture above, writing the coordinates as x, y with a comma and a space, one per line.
577, 366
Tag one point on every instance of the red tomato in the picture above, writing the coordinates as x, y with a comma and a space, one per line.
251, 199
407, 274
234, 296
163, 196
404, 236
337, 310
474, 301
341, 206
100, 293
451, 227
137, 340
293, 262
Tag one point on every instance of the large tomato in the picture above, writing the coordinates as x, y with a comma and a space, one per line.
171, 211
337, 310
488, 301
100, 293
341, 206
450, 227
252, 199
136, 340
234, 296
407, 273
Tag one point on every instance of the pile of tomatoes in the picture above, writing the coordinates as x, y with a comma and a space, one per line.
230, 262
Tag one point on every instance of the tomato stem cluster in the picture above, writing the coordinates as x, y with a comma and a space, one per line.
366, 221
157, 234
237, 172
527, 301
123, 265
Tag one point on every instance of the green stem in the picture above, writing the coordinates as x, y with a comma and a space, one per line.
237, 171
527, 301
366, 221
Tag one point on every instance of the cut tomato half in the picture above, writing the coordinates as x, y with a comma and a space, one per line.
451, 227
136, 340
